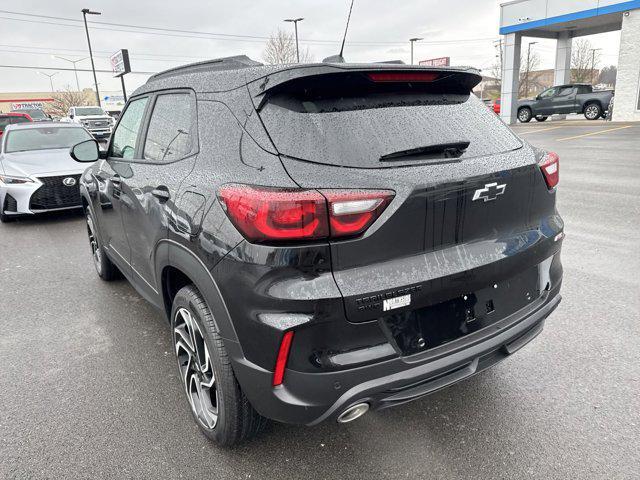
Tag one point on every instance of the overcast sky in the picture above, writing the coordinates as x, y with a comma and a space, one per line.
465, 30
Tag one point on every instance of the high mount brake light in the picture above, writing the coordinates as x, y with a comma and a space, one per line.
268, 215
550, 166
403, 76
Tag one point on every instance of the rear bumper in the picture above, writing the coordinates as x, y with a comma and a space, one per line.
310, 398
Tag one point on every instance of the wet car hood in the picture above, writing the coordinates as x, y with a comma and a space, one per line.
40, 162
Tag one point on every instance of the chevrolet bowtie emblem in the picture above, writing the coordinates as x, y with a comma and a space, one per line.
491, 191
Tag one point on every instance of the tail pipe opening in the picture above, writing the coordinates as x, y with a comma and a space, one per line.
353, 413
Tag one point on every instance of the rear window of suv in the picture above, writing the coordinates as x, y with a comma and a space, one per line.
344, 125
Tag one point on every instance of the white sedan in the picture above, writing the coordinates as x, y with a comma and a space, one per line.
36, 172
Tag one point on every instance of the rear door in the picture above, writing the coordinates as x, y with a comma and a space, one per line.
166, 155
565, 100
470, 200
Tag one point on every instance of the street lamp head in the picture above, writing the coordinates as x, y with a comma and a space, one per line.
86, 11
294, 20
415, 39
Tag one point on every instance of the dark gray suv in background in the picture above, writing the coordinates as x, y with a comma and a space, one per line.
325, 239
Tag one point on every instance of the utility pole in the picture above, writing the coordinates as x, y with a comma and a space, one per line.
74, 67
412, 41
295, 25
50, 78
593, 62
526, 81
85, 12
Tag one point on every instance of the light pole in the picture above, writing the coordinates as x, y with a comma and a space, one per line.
593, 62
295, 25
526, 81
50, 78
85, 12
412, 41
74, 66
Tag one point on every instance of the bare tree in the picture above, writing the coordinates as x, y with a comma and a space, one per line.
496, 68
281, 50
583, 61
65, 99
528, 64
608, 75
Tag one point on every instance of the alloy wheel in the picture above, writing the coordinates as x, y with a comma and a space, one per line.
523, 116
592, 112
196, 370
96, 252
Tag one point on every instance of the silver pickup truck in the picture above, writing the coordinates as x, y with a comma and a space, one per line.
574, 98
94, 119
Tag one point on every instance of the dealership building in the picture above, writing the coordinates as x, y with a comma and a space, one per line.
564, 20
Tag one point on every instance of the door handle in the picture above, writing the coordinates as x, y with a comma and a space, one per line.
116, 180
161, 192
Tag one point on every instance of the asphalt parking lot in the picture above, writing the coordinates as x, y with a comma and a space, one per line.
88, 385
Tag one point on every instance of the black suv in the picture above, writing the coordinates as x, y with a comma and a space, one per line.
324, 239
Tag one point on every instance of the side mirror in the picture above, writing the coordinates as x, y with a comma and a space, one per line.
87, 151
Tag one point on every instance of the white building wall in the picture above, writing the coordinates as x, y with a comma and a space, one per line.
510, 77
627, 103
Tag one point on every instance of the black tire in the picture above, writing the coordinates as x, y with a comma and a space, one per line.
541, 118
235, 419
524, 114
105, 269
592, 111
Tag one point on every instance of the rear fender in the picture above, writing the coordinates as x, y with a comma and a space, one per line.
171, 253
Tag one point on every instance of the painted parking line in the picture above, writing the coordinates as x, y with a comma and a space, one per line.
541, 130
593, 133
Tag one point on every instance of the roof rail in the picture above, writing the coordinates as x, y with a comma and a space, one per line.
218, 64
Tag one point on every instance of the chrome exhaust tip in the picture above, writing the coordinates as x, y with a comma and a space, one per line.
353, 413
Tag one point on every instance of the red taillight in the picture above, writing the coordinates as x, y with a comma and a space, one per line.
550, 166
271, 215
283, 356
275, 214
403, 76
351, 212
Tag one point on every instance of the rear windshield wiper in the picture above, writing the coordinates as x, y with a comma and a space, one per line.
429, 152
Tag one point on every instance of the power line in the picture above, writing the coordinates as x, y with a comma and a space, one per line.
66, 51
137, 57
213, 35
66, 69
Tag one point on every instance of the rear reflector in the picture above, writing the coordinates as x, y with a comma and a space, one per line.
278, 215
550, 166
283, 356
403, 76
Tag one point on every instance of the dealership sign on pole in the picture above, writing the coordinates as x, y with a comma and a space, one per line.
436, 62
121, 66
120, 63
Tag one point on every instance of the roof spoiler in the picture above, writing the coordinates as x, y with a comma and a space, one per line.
461, 79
